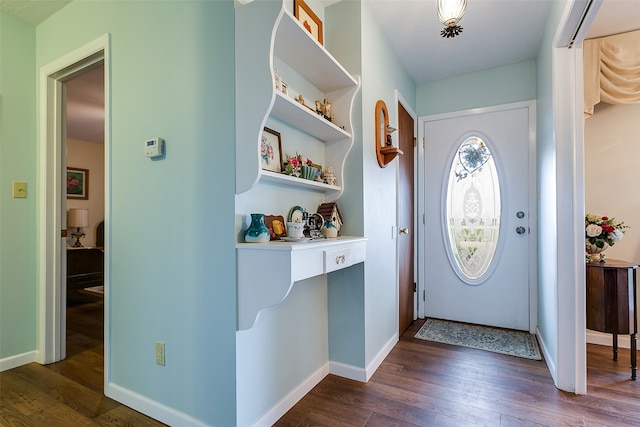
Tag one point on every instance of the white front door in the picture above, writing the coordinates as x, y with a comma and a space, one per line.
478, 235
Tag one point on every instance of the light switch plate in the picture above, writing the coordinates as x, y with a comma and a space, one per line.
19, 189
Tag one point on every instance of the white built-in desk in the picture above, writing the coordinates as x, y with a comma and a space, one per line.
267, 271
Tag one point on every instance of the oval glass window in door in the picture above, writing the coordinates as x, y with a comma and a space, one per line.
472, 210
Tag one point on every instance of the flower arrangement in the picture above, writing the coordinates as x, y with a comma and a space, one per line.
602, 232
294, 163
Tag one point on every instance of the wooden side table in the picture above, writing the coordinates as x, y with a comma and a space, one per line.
611, 302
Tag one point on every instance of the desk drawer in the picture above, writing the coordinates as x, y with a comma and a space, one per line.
335, 259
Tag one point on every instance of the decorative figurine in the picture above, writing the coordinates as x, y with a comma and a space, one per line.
328, 177
278, 80
326, 110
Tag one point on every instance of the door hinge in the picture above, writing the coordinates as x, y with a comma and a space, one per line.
63, 233
415, 288
415, 142
424, 295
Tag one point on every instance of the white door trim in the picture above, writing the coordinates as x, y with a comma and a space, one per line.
51, 206
533, 260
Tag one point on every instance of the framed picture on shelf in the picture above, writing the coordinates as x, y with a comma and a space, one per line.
271, 150
276, 225
77, 183
308, 19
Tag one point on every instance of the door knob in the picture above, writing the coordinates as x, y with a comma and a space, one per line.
520, 230
403, 230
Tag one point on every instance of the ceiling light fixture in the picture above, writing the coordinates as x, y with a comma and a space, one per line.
450, 12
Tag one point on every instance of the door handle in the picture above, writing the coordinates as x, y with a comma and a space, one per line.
403, 230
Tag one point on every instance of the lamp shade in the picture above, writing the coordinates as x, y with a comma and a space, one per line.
78, 218
451, 11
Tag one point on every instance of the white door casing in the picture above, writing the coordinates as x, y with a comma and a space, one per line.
506, 295
52, 206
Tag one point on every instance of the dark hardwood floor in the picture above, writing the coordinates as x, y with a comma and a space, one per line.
420, 383
423, 383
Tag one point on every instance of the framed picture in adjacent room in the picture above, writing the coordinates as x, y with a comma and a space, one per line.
77, 183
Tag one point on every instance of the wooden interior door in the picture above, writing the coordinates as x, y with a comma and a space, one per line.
406, 222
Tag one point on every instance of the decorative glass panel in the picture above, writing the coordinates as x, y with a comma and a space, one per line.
473, 208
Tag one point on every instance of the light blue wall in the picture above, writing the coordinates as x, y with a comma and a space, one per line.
547, 189
172, 243
382, 76
511, 83
346, 295
18, 287
363, 301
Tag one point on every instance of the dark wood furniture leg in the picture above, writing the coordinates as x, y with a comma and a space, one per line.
634, 367
615, 346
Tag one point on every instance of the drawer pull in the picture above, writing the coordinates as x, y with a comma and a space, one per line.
340, 259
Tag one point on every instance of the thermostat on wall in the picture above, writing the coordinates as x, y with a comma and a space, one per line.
154, 147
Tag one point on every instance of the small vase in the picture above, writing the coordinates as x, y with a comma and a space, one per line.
308, 172
594, 252
329, 229
257, 231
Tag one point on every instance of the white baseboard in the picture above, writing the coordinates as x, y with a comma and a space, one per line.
593, 337
17, 360
335, 368
292, 398
348, 371
550, 361
382, 354
150, 407
363, 374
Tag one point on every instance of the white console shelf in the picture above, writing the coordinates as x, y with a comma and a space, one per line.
267, 271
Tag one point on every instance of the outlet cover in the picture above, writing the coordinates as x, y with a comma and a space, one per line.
159, 353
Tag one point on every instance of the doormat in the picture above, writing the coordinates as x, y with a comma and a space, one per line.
96, 289
504, 341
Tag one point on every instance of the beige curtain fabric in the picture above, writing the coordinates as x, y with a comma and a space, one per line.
611, 70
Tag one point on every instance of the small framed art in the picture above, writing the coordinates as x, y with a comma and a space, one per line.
77, 183
308, 19
271, 150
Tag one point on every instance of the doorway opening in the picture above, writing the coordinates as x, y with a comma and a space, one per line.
84, 152
60, 150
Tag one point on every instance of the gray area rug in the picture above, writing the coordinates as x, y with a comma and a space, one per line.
505, 341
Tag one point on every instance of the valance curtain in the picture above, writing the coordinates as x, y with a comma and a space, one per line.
611, 70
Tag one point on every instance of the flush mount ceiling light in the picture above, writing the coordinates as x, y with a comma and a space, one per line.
450, 12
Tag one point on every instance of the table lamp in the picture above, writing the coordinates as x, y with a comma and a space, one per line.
78, 219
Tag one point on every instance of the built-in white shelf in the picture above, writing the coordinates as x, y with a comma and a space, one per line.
266, 30
297, 182
292, 112
310, 59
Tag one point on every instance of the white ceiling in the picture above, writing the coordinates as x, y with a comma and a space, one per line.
496, 33
32, 11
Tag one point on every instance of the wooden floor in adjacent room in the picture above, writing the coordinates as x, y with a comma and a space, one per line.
420, 383
70, 392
